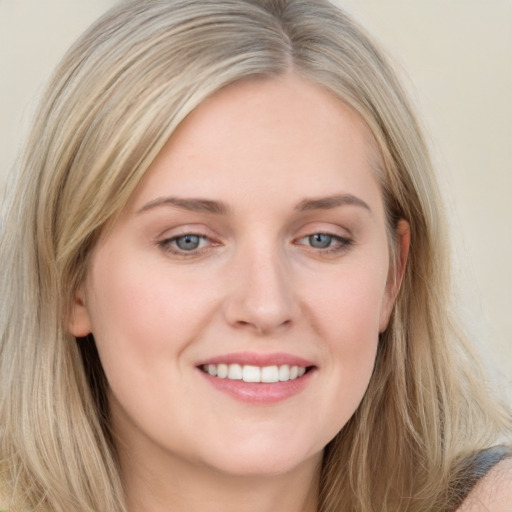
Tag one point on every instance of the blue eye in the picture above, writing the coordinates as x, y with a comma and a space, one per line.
187, 242
320, 240
184, 245
325, 243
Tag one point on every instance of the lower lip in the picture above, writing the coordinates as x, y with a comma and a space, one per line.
259, 392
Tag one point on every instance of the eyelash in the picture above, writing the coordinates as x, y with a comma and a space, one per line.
168, 245
342, 243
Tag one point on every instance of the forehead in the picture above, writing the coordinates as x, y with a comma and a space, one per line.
263, 135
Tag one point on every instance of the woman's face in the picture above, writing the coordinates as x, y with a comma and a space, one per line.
237, 303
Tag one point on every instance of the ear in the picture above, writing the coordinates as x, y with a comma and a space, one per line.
79, 321
402, 239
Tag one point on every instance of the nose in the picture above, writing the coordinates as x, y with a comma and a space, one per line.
260, 296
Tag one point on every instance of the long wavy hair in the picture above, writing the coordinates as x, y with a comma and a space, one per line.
114, 101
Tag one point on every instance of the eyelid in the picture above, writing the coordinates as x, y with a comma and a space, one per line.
168, 247
328, 228
342, 236
339, 238
165, 240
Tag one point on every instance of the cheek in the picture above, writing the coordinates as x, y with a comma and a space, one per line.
126, 307
141, 322
121, 308
351, 323
349, 302
143, 315
346, 313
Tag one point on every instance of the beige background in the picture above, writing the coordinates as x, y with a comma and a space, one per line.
456, 56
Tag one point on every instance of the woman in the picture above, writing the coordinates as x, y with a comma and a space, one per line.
230, 291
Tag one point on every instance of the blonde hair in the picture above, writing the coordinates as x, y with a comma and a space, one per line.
114, 101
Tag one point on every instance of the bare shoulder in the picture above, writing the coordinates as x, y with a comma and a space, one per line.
493, 493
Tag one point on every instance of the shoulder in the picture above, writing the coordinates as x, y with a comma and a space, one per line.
493, 493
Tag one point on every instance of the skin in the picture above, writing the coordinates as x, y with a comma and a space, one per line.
256, 283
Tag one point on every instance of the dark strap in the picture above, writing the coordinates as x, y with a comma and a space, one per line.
485, 460
475, 468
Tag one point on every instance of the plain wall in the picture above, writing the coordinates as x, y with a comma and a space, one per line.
456, 56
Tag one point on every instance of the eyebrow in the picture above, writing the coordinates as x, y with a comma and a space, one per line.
192, 205
329, 202
219, 208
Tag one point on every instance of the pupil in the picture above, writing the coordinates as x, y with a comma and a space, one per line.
188, 242
320, 240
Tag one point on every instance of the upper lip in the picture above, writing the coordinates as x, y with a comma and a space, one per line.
258, 359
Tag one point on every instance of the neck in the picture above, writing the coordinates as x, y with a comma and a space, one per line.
179, 485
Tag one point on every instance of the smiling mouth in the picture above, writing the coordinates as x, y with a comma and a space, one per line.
255, 374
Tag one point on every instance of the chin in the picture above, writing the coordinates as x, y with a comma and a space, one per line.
259, 462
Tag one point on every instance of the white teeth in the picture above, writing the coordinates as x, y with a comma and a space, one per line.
270, 374
222, 370
251, 373
235, 372
284, 372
